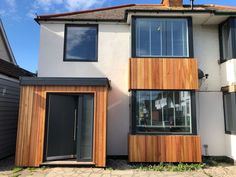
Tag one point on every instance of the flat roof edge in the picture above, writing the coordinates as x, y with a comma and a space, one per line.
64, 81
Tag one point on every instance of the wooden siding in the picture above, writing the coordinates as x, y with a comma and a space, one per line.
31, 124
167, 73
9, 103
147, 148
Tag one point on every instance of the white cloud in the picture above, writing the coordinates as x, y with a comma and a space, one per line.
57, 6
9, 9
72, 5
2, 12
11, 3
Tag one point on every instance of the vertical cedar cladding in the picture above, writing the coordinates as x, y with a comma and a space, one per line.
172, 3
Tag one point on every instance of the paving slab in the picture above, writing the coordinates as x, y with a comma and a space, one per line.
116, 168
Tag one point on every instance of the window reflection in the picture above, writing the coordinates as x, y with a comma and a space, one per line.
81, 43
159, 37
163, 111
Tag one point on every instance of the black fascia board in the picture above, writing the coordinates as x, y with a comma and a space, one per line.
62, 81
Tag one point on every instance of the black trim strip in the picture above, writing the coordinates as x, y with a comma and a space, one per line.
60, 81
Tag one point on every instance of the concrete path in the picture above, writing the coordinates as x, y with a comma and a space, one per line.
121, 169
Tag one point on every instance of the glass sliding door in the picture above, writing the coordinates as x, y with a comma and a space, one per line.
85, 128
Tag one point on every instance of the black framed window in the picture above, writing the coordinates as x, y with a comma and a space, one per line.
228, 39
230, 112
81, 43
162, 37
163, 112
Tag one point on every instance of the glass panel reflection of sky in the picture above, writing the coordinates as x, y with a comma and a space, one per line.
81, 43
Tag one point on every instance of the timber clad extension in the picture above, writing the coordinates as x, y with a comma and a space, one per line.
165, 100
32, 115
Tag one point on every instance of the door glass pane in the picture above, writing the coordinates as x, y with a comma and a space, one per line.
85, 128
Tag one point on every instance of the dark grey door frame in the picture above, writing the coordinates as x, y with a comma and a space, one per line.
79, 113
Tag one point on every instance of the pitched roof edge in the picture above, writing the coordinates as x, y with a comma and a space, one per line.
14, 71
53, 17
40, 17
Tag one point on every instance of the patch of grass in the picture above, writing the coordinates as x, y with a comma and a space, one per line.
109, 168
17, 169
32, 169
180, 167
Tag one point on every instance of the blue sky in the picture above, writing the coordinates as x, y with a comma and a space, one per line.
23, 31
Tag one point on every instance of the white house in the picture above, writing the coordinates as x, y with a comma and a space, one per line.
167, 70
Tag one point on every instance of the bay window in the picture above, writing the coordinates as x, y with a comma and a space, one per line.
161, 37
163, 112
230, 112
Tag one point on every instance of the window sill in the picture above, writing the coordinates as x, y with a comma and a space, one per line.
230, 132
165, 134
141, 57
223, 61
80, 60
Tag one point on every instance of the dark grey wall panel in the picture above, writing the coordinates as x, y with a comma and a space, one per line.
9, 104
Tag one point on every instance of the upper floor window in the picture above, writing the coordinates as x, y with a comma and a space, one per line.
228, 39
81, 43
161, 37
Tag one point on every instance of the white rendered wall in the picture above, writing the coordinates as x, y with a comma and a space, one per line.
230, 146
113, 58
228, 73
210, 115
211, 122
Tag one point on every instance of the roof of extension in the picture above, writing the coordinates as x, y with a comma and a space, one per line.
12, 70
119, 13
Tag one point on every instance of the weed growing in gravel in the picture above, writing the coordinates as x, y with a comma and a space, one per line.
180, 167
17, 169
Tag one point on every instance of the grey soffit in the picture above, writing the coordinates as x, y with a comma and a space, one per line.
119, 13
61, 81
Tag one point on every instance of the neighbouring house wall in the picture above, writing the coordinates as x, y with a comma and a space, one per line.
209, 100
113, 58
230, 146
9, 103
4, 54
228, 73
211, 122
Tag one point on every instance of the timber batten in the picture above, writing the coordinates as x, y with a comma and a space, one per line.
31, 123
176, 148
163, 73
